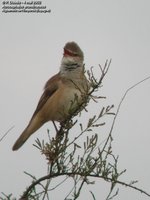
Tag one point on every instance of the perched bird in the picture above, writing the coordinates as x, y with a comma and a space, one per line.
62, 93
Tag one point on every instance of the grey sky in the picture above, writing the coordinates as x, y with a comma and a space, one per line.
31, 47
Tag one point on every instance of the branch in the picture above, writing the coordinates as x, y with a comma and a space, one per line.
63, 164
6, 133
49, 176
119, 106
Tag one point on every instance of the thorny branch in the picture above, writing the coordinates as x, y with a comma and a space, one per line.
94, 161
49, 176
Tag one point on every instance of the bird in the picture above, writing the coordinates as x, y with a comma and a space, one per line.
62, 93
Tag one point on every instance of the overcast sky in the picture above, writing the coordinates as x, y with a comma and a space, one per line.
31, 47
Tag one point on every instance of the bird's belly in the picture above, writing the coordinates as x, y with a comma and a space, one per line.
61, 104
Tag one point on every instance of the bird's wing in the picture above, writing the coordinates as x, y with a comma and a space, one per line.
50, 88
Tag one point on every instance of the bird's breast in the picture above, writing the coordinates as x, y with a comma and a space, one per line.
62, 103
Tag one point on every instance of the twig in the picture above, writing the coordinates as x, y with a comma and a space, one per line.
6, 133
124, 96
119, 106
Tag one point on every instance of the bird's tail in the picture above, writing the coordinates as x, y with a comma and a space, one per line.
29, 130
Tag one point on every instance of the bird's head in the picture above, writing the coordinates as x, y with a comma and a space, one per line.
73, 57
71, 49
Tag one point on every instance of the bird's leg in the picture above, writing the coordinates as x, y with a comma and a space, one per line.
56, 129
